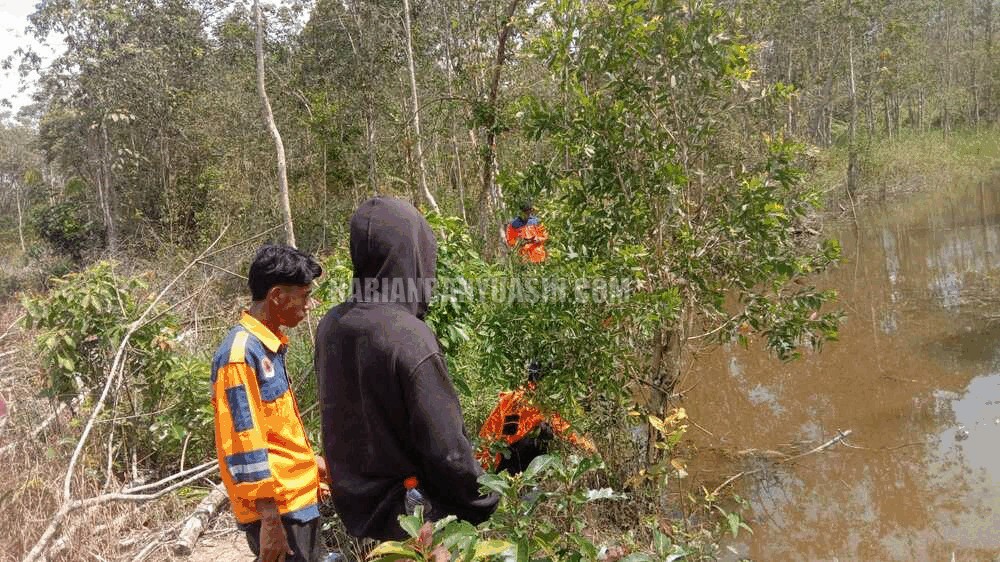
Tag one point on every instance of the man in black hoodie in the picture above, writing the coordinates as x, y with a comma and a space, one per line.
389, 409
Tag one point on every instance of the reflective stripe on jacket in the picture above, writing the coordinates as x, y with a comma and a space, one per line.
259, 436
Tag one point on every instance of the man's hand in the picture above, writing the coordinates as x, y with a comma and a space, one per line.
324, 473
324, 479
273, 542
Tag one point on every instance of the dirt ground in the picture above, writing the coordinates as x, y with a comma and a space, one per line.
222, 546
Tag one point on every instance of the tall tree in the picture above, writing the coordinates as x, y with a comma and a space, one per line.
415, 101
268, 116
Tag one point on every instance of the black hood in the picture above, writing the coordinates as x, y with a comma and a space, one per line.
394, 251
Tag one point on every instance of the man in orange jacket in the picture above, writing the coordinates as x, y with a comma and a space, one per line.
527, 230
523, 428
267, 463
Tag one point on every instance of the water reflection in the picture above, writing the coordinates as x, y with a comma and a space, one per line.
919, 357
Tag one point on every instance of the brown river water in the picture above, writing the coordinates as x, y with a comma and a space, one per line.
915, 377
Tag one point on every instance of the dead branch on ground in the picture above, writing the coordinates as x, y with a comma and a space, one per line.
43, 425
197, 522
841, 435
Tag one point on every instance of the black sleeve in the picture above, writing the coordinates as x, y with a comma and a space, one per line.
447, 465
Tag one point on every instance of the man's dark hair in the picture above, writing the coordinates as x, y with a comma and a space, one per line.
534, 371
526, 206
280, 265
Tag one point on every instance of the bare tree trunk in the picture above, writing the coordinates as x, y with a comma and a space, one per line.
20, 218
665, 369
973, 69
991, 61
369, 97
946, 114
870, 114
852, 152
197, 522
921, 103
111, 234
370, 140
459, 177
790, 108
822, 130
491, 196
896, 112
286, 208
416, 109
888, 116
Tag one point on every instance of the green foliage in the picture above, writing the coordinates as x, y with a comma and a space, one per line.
451, 317
186, 425
81, 322
566, 314
444, 540
652, 159
66, 225
670, 430
661, 548
541, 510
539, 519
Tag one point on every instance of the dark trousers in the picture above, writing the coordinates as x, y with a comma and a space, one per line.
303, 538
524, 451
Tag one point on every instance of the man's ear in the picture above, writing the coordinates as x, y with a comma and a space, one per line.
274, 295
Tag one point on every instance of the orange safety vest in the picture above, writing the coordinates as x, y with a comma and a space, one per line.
533, 233
260, 439
528, 417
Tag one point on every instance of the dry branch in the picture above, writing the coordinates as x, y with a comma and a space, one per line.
841, 435
72, 506
11, 327
197, 522
416, 109
42, 426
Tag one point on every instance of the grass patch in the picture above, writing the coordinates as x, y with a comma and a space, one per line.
913, 162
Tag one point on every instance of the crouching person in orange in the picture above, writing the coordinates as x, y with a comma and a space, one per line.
526, 431
266, 461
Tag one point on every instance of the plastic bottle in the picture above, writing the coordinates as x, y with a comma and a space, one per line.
415, 497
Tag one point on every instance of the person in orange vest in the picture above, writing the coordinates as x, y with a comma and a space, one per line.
527, 231
526, 431
267, 463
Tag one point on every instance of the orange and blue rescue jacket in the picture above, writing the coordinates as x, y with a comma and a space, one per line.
513, 418
534, 234
259, 436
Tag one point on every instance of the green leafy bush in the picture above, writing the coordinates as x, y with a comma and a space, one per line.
81, 322
538, 519
184, 426
444, 540
541, 509
66, 224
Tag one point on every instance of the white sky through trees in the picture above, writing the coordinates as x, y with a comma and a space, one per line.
13, 20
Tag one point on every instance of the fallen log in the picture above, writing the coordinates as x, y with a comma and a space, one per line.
197, 522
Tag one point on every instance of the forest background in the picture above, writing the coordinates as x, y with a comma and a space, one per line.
694, 149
